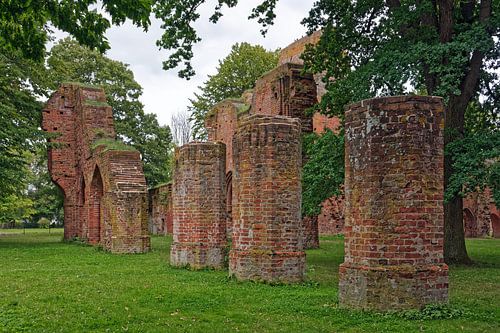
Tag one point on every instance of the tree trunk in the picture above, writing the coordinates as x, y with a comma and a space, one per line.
455, 251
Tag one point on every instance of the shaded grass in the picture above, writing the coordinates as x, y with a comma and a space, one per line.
50, 286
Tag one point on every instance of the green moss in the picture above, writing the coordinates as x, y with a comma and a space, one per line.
111, 144
84, 85
243, 108
91, 102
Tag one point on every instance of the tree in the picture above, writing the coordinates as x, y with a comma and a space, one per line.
235, 73
181, 128
323, 171
69, 61
25, 25
387, 47
20, 84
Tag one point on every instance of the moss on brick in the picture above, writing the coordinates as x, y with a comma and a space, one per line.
83, 85
92, 102
111, 144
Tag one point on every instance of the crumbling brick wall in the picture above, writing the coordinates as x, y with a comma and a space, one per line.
285, 91
267, 228
394, 224
160, 210
221, 124
480, 215
105, 196
199, 237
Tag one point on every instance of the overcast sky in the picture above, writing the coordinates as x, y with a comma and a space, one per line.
165, 93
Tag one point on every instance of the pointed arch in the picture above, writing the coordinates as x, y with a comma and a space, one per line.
95, 210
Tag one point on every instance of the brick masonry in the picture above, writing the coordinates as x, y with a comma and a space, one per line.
160, 210
105, 196
199, 233
394, 205
481, 216
267, 228
286, 91
221, 124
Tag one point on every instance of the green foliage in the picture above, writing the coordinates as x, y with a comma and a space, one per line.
112, 144
24, 25
44, 223
141, 293
476, 160
432, 312
47, 198
69, 61
20, 83
15, 208
375, 47
323, 172
235, 73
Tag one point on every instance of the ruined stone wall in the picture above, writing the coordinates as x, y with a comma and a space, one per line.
104, 188
481, 216
160, 210
199, 237
331, 218
285, 91
394, 221
267, 228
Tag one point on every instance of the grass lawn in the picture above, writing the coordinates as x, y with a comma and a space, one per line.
50, 286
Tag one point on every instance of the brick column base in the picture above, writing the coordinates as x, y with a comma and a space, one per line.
269, 266
392, 287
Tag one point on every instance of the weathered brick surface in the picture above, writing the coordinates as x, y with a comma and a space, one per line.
285, 91
331, 218
199, 238
221, 124
160, 210
105, 196
310, 233
394, 204
267, 228
481, 216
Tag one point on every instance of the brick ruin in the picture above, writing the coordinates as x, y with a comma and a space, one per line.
160, 220
199, 211
105, 195
267, 229
481, 216
394, 223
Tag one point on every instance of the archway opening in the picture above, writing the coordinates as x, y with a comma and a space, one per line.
470, 225
495, 225
94, 204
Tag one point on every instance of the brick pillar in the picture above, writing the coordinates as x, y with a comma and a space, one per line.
267, 227
199, 205
394, 204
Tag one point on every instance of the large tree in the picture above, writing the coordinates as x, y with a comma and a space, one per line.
386, 47
236, 73
69, 61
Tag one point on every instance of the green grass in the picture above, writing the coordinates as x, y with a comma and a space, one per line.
50, 286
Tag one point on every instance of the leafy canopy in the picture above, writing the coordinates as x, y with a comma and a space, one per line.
25, 25
323, 172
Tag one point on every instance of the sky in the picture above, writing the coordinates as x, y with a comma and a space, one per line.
166, 94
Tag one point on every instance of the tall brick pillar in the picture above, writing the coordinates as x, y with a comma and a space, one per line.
394, 204
199, 206
267, 227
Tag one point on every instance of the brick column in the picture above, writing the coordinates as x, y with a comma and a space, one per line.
267, 227
199, 205
394, 204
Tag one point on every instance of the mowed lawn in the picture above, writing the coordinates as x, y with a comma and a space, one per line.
50, 286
